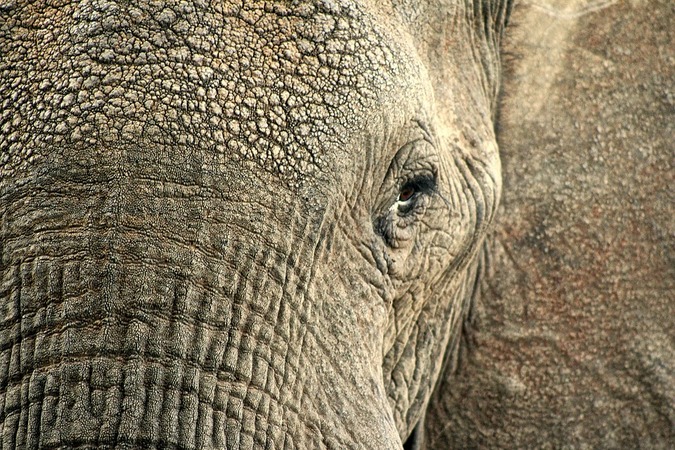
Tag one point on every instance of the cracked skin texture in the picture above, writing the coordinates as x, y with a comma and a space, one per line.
176, 195
572, 343
202, 240
266, 83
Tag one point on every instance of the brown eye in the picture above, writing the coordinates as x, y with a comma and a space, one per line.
406, 193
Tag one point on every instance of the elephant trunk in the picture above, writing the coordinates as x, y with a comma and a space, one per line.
136, 315
111, 336
85, 363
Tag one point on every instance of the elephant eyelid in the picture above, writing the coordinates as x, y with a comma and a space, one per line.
412, 191
419, 185
402, 213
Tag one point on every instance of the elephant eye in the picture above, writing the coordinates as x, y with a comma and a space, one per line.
406, 193
395, 224
419, 185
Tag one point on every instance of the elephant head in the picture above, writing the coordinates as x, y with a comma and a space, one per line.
239, 224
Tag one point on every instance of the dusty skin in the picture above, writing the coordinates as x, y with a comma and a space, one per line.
252, 225
238, 224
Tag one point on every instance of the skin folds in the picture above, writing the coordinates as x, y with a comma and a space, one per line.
238, 225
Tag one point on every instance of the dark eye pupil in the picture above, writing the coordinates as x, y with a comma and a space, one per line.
406, 193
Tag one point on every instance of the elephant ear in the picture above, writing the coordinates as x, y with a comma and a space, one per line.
574, 330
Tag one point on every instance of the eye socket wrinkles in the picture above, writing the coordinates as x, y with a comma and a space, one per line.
408, 188
397, 222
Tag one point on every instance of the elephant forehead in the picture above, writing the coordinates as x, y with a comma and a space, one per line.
269, 83
301, 82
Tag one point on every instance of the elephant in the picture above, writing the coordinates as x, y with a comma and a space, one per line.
278, 225
239, 224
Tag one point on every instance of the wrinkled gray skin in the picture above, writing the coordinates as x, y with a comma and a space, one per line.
204, 243
571, 341
207, 240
